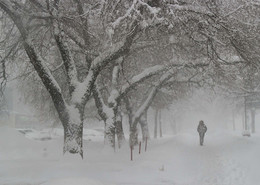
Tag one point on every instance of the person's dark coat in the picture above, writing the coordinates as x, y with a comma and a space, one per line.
202, 129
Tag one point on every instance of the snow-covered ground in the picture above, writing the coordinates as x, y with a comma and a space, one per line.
226, 159
54, 133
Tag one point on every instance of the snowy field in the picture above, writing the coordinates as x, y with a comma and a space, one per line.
226, 159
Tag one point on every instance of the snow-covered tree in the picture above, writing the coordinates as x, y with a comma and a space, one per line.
88, 36
70, 43
53, 20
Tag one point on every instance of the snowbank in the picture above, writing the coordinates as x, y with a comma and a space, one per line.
15, 146
54, 133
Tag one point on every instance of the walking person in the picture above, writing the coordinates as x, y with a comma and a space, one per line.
202, 129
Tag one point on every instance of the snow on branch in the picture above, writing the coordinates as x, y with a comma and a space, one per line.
78, 41
108, 55
103, 110
168, 75
147, 73
127, 14
42, 69
115, 76
136, 8
114, 93
191, 8
67, 59
153, 10
83, 91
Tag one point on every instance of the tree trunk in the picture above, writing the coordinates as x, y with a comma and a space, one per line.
160, 122
174, 126
72, 118
133, 139
243, 121
73, 136
144, 126
114, 128
246, 118
155, 123
233, 119
120, 131
110, 132
253, 120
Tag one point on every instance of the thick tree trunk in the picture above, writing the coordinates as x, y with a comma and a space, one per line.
133, 139
160, 122
120, 132
105, 133
233, 120
110, 133
246, 116
155, 123
72, 118
253, 120
243, 121
73, 139
144, 126
174, 127
113, 129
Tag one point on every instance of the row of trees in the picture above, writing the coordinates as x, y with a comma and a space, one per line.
125, 55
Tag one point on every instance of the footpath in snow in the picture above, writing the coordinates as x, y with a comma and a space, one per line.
226, 159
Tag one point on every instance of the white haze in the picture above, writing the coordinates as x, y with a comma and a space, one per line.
214, 110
